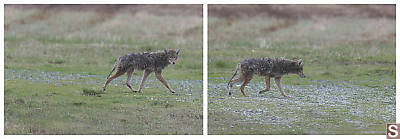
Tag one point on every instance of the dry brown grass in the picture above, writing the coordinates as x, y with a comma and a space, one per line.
303, 11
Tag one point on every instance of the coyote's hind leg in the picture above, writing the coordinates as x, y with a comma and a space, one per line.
117, 74
128, 79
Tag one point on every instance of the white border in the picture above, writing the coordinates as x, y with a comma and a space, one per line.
2, 69
301, 1
103, 2
397, 65
200, 1
205, 70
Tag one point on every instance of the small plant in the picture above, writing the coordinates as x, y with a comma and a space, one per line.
19, 101
57, 61
221, 64
111, 60
91, 92
78, 103
147, 48
164, 104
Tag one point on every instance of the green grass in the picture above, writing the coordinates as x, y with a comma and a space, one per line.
54, 45
350, 55
44, 108
58, 43
91, 92
346, 53
94, 59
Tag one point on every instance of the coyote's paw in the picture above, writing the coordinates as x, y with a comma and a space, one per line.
137, 91
133, 90
263, 91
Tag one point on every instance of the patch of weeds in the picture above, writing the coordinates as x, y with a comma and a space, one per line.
123, 120
56, 61
13, 38
139, 97
127, 92
34, 130
112, 60
221, 64
19, 101
155, 103
91, 73
51, 94
91, 62
164, 104
79, 103
147, 48
199, 116
383, 71
196, 99
115, 101
8, 57
168, 105
7, 90
91, 92
326, 73
192, 66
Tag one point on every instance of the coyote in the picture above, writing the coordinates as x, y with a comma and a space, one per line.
149, 62
267, 67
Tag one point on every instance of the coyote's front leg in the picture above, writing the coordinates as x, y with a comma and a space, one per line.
145, 75
159, 77
278, 83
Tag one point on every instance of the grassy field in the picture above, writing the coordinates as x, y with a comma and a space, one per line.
57, 59
349, 62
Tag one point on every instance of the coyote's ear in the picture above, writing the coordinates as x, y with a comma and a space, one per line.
166, 51
177, 51
300, 61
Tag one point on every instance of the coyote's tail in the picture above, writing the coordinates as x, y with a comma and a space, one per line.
234, 74
115, 65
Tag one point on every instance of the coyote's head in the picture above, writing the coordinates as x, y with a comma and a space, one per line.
299, 68
172, 55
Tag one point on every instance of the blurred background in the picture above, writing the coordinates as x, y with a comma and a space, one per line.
90, 37
57, 58
321, 34
349, 60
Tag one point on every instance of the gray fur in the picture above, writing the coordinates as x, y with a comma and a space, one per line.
268, 67
273, 66
149, 62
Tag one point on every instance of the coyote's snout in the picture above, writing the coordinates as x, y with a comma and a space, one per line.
267, 67
172, 60
149, 62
